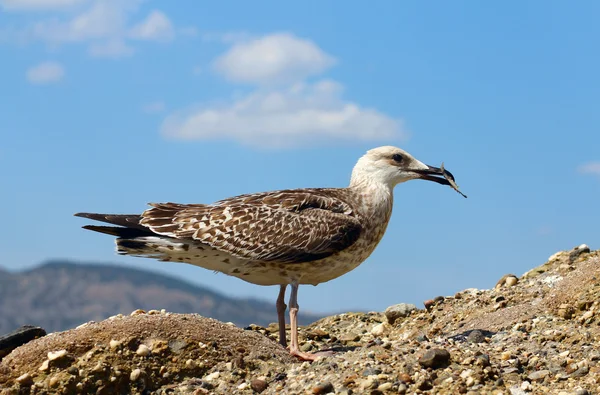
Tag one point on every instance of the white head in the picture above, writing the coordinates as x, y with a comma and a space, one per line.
390, 166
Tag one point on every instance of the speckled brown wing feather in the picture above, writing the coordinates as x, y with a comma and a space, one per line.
286, 226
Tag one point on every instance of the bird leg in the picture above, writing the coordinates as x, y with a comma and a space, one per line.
281, 314
294, 349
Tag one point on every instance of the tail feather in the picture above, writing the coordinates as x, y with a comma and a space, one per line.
126, 220
125, 233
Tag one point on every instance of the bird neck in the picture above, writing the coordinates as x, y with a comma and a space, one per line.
376, 198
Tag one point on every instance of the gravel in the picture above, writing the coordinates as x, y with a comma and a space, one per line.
536, 335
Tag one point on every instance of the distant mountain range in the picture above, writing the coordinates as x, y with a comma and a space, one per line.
60, 295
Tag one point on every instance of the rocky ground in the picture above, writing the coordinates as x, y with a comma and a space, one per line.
534, 334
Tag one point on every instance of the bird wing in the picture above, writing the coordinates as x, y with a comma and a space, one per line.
285, 226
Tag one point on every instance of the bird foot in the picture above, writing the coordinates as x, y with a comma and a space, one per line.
303, 356
311, 356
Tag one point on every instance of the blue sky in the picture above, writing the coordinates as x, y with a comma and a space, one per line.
109, 105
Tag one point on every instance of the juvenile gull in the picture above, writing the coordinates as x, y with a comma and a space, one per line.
288, 237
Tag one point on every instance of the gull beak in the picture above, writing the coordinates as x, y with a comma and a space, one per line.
439, 175
434, 174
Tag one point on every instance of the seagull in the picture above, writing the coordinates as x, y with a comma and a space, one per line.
286, 237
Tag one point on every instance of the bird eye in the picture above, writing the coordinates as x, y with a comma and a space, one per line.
398, 158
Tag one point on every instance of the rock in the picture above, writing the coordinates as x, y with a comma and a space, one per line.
400, 310
349, 337
24, 379
379, 329
54, 355
577, 251
212, 376
323, 388
476, 336
135, 374
511, 281
258, 385
435, 358
508, 280
539, 375
143, 350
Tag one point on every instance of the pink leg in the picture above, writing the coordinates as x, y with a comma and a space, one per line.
281, 314
294, 349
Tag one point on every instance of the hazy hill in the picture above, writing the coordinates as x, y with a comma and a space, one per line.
59, 295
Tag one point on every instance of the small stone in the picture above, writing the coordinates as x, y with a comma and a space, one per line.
539, 375
323, 388
476, 336
317, 334
400, 310
258, 385
349, 337
54, 355
482, 360
435, 358
242, 386
153, 312
137, 312
135, 374
505, 356
44, 366
379, 329
212, 376
402, 388
25, 379
405, 378
53, 382
143, 350
511, 281
582, 371
114, 344
385, 386
190, 363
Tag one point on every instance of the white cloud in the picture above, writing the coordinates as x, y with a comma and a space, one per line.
104, 26
154, 107
155, 27
590, 168
274, 59
300, 115
35, 5
45, 73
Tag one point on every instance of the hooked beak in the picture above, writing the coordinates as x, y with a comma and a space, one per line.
435, 174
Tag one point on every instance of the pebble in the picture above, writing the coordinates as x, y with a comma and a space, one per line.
242, 386
137, 312
53, 382
385, 386
435, 358
258, 385
24, 379
54, 355
476, 336
400, 310
135, 374
379, 329
143, 350
114, 344
212, 376
44, 365
511, 281
323, 388
539, 375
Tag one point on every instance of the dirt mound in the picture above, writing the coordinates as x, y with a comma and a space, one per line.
538, 333
135, 353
